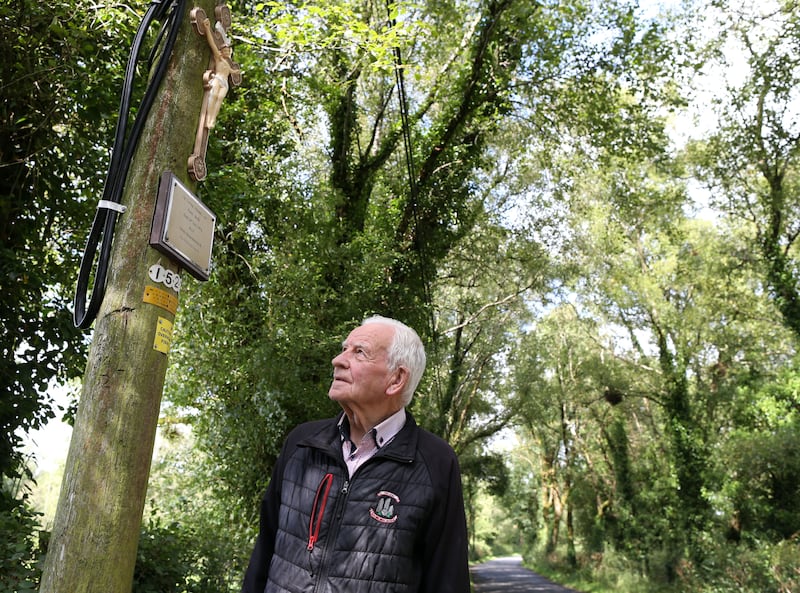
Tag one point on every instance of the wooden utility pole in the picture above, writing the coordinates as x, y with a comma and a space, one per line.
98, 520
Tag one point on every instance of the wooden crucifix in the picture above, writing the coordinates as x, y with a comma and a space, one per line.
222, 73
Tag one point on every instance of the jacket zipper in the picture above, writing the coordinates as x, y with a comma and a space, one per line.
317, 514
333, 530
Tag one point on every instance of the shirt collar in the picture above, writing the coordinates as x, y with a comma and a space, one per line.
382, 433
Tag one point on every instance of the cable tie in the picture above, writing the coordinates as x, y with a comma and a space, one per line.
109, 205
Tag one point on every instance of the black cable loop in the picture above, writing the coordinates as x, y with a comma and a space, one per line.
102, 230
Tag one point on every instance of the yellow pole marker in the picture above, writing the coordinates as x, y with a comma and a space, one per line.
163, 337
160, 298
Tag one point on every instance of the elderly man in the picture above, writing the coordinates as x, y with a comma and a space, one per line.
367, 502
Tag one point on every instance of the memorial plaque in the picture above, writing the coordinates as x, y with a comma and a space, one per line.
183, 227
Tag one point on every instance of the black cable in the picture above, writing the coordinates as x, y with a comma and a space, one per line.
171, 13
403, 100
410, 168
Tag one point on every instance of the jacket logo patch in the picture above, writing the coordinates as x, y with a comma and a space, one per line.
383, 512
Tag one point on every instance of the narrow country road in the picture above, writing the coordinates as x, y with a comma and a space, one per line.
507, 575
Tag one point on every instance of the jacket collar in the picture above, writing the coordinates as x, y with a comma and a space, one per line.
401, 448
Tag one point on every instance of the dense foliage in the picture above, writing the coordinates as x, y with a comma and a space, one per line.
57, 73
61, 62
615, 290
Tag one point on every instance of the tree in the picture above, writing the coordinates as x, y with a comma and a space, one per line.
751, 161
59, 78
322, 224
760, 462
557, 387
59, 100
346, 232
689, 316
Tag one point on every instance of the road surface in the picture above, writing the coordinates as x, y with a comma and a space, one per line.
507, 575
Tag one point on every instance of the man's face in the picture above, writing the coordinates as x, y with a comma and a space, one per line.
360, 371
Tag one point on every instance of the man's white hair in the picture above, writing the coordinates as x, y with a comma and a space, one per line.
406, 350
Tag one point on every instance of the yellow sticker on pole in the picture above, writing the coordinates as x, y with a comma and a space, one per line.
160, 298
163, 338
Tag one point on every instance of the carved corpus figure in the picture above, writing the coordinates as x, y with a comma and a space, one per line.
216, 79
222, 73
